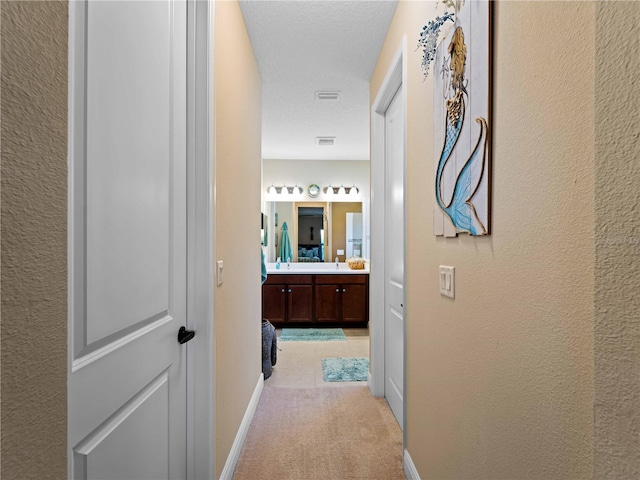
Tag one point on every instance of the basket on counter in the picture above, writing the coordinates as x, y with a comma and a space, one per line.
356, 263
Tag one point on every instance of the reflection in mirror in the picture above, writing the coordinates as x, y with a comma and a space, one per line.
354, 235
339, 244
264, 230
310, 234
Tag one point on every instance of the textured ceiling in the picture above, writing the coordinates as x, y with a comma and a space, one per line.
307, 46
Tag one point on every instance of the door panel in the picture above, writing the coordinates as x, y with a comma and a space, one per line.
128, 168
273, 302
143, 418
300, 303
354, 303
394, 257
327, 303
127, 386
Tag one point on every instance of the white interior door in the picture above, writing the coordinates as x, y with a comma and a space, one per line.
127, 380
394, 257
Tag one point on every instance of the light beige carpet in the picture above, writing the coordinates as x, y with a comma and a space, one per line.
321, 433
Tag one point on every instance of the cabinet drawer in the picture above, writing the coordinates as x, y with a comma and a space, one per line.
284, 279
341, 279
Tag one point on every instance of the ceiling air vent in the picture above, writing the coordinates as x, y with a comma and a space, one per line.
326, 141
327, 95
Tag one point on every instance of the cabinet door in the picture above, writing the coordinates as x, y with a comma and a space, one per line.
328, 303
273, 303
300, 303
354, 303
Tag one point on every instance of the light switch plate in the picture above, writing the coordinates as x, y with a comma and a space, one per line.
447, 281
219, 270
340, 252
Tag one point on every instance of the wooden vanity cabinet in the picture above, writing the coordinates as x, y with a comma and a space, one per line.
288, 299
316, 299
342, 299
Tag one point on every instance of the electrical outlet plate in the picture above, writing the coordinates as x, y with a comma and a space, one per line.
447, 281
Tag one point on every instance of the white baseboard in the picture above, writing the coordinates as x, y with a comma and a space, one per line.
409, 468
236, 448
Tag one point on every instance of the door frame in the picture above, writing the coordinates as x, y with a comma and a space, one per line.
200, 228
394, 79
201, 210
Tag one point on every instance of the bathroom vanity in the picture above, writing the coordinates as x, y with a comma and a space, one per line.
316, 295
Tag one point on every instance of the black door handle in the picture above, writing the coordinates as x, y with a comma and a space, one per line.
185, 335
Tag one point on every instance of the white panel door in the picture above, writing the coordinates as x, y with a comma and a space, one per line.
127, 380
394, 256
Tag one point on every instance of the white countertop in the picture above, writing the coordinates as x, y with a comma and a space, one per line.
315, 268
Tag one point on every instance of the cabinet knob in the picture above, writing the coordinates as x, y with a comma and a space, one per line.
344, 289
337, 289
283, 290
289, 290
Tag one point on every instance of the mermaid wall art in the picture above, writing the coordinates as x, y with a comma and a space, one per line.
462, 124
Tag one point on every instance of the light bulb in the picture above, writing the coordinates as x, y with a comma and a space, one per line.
284, 192
272, 190
330, 190
341, 191
353, 192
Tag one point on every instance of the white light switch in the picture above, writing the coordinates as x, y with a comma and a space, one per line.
447, 281
340, 252
219, 269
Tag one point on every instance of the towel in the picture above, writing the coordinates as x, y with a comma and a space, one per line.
285, 245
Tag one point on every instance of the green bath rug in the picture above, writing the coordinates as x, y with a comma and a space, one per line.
350, 369
311, 334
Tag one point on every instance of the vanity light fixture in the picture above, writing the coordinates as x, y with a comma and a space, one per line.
330, 190
342, 191
284, 191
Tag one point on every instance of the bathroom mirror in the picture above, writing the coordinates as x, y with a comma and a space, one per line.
329, 223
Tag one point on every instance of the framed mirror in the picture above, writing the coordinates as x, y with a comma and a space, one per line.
330, 231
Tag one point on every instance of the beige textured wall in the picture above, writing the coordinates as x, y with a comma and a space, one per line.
617, 249
500, 380
34, 240
238, 98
